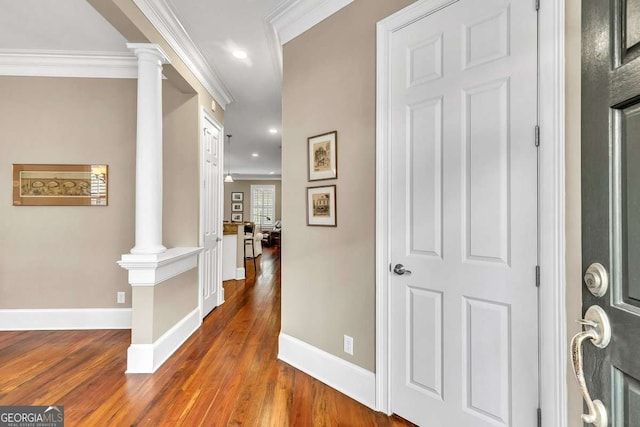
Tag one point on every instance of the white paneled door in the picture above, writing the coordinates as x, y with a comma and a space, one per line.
464, 300
211, 219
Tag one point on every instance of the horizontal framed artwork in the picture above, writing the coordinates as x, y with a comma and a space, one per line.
236, 217
237, 196
321, 206
60, 185
236, 207
322, 153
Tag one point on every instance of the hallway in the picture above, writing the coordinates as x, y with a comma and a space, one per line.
227, 373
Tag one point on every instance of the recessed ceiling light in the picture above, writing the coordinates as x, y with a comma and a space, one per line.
254, 154
273, 130
271, 173
240, 54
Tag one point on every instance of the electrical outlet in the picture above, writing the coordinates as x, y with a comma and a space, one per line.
120, 298
348, 345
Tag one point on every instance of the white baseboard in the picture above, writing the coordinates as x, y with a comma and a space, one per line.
147, 358
352, 380
220, 296
240, 273
64, 319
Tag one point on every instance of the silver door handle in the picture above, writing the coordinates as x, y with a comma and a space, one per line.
598, 330
400, 270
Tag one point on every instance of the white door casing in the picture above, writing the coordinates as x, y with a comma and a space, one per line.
462, 214
211, 204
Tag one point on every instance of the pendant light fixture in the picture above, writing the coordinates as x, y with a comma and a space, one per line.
228, 178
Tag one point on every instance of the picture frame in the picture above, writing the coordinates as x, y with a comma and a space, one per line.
321, 206
236, 207
237, 217
60, 185
237, 196
322, 156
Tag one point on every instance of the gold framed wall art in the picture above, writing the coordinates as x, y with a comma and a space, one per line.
60, 185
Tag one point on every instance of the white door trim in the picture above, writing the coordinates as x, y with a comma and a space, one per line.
553, 389
553, 315
205, 115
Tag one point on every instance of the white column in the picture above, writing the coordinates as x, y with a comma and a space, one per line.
149, 149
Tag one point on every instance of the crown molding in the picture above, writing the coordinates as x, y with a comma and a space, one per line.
162, 17
293, 17
273, 42
61, 63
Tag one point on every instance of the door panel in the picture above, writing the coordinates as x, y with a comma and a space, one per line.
425, 329
464, 335
486, 172
486, 359
425, 177
630, 202
629, 34
487, 38
611, 197
626, 408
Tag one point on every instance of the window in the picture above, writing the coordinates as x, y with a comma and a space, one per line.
263, 205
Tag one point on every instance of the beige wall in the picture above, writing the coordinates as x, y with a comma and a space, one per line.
177, 297
65, 256
159, 308
328, 284
573, 217
142, 315
245, 187
173, 300
181, 168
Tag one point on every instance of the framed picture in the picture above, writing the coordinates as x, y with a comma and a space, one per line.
237, 196
321, 206
236, 207
322, 153
236, 217
60, 185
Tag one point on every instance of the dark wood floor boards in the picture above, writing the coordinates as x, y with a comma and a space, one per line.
226, 374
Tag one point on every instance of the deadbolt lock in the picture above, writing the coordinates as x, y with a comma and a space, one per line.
596, 279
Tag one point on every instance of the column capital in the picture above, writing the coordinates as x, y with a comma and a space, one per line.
149, 49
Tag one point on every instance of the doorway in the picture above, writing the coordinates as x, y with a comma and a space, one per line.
211, 291
551, 256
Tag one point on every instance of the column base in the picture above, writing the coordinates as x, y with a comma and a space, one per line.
156, 249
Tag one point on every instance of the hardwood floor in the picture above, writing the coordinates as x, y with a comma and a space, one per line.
227, 373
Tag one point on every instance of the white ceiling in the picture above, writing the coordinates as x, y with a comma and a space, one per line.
217, 27
56, 25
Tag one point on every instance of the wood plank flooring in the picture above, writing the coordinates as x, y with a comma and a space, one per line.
226, 374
